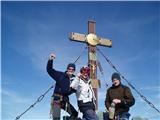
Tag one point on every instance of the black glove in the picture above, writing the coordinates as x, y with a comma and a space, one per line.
71, 90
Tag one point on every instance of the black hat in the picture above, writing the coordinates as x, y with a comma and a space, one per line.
116, 75
71, 65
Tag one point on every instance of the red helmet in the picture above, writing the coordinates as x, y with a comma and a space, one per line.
85, 69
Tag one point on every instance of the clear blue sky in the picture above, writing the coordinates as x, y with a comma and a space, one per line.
32, 30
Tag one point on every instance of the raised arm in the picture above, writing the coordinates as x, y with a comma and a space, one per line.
51, 71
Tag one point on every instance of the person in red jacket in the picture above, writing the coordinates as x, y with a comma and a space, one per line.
121, 96
62, 89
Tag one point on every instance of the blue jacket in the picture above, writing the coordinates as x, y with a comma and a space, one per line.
62, 85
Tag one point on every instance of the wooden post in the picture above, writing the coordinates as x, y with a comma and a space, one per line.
92, 59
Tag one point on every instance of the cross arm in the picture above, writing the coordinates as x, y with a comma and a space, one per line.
90, 38
105, 42
77, 37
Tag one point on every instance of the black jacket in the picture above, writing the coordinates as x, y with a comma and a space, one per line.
124, 94
62, 85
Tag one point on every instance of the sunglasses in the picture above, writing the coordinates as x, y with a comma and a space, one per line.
86, 70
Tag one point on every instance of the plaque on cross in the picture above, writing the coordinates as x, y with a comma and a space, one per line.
92, 40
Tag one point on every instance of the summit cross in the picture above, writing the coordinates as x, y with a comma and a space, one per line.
92, 40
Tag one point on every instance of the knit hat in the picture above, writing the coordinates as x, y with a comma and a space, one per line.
71, 65
115, 75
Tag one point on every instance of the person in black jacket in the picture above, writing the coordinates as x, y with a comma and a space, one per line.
121, 96
62, 90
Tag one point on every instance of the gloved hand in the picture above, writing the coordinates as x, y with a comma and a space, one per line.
71, 90
52, 56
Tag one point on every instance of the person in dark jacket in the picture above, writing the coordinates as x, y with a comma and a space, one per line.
61, 90
121, 96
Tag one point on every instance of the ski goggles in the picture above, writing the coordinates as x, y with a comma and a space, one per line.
85, 70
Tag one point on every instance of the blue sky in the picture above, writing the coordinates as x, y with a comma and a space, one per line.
32, 30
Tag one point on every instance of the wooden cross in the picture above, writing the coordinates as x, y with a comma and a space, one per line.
92, 41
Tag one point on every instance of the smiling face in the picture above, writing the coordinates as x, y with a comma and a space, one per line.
70, 71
